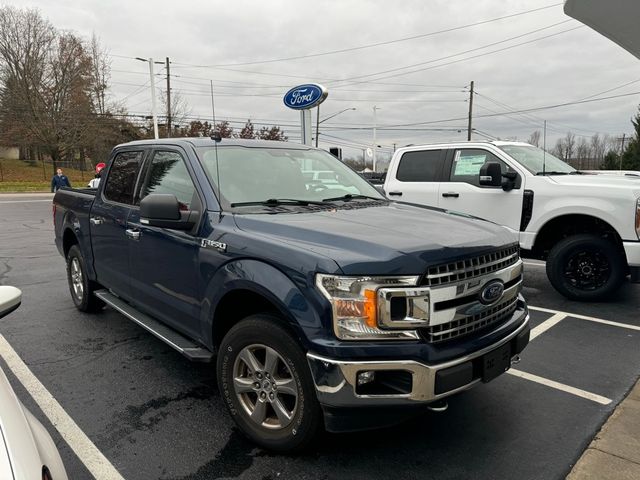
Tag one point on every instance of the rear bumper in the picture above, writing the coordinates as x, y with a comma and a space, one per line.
336, 380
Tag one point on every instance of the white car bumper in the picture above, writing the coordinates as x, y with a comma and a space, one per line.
632, 250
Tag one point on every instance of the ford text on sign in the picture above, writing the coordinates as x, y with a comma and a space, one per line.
305, 96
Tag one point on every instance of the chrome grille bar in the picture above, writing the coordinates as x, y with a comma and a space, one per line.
471, 267
457, 328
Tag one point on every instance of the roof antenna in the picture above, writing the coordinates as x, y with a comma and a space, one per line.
544, 147
215, 134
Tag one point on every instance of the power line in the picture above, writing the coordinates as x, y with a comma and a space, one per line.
455, 55
372, 45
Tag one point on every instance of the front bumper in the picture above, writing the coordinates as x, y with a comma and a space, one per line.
336, 380
632, 251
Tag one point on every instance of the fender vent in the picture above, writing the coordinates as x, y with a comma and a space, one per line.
527, 210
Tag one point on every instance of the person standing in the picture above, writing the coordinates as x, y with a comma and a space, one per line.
59, 180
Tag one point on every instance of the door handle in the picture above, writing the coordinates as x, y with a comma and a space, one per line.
132, 234
96, 220
396, 194
451, 194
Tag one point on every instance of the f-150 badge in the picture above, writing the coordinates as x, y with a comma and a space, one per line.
213, 244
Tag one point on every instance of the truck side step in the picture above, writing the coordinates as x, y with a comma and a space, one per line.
185, 346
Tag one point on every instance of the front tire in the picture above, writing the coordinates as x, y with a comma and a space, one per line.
266, 384
586, 267
80, 287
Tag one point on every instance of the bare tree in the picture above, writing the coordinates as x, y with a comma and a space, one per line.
100, 73
180, 111
534, 138
569, 146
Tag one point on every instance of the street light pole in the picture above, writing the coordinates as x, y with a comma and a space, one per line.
153, 95
318, 121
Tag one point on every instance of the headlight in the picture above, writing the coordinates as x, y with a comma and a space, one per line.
362, 307
638, 218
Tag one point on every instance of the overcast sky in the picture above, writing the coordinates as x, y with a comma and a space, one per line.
204, 39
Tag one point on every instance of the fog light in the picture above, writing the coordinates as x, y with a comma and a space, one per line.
366, 377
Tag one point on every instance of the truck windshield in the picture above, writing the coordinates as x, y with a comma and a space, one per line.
533, 158
245, 175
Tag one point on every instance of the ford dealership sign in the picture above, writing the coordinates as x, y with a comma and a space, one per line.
305, 96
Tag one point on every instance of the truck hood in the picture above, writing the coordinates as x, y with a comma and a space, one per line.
598, 181
382, 240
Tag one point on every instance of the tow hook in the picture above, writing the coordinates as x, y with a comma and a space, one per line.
515, 360
439, 406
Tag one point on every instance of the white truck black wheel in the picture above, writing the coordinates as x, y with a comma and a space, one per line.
265, 382
585, 267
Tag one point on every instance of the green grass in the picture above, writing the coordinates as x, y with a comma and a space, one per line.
21, 176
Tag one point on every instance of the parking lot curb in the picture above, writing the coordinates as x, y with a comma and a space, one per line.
17, 195
614, 453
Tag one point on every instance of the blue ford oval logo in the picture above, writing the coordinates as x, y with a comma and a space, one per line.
305, 96
491, 292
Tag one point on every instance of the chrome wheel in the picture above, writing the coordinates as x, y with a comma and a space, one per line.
265, 386
76, 278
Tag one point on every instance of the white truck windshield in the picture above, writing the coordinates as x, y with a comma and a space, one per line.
536, 160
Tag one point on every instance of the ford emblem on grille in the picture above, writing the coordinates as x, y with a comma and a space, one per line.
491, 292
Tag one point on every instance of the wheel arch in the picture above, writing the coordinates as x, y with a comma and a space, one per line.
564, 226
245, 287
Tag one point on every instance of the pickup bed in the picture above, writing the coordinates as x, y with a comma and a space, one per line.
586, 227
321, 304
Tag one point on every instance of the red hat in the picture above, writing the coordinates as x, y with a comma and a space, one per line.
100, 166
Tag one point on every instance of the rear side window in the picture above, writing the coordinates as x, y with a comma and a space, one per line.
121, 180
467, 164
424, 166
168, 174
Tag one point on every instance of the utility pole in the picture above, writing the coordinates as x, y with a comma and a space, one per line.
621, 152
375, 141
168, 99
470, 111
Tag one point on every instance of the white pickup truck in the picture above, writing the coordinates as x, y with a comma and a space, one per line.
586, 227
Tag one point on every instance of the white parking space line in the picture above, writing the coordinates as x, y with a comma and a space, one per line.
560, 386
585, 317
546, 325
86, 451
24, 201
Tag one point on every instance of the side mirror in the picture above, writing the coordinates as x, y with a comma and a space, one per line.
510, 179
491, 174
10, 299
163, 210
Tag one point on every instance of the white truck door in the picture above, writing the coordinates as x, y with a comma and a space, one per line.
461, 190
416, 177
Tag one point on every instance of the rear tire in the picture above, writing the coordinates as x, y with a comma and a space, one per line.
266, 384
586, 267
80, 287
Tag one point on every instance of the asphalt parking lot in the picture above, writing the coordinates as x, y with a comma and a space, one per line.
130, 405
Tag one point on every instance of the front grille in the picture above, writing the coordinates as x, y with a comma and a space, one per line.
457, 328
471, 267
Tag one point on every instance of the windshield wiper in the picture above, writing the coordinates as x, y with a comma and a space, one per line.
276, 202
350, 196
551, 172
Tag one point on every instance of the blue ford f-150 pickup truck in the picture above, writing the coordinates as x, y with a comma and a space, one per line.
322, 304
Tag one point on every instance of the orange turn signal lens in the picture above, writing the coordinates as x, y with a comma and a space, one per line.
359, 308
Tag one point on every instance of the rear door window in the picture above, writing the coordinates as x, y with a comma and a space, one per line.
121, 180
421, 166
